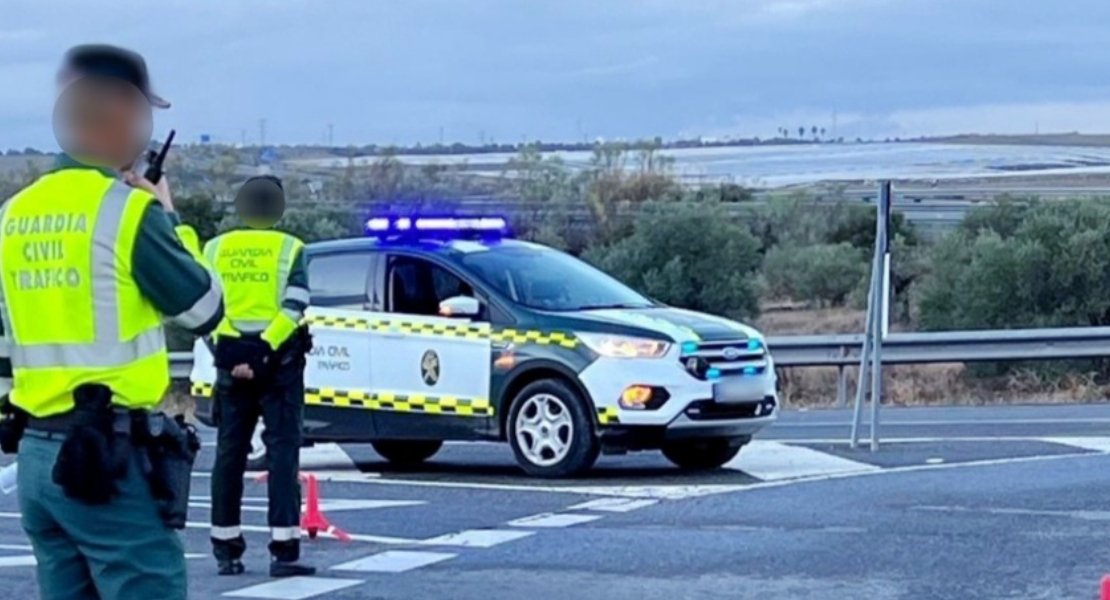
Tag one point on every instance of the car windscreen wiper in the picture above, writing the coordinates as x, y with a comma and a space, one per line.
612, 306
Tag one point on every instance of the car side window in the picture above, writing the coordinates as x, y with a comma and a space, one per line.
416, 286
339, 280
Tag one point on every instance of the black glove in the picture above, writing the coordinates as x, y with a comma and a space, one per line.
247, 350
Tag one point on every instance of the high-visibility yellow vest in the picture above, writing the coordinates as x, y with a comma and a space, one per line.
254, 267
72, 310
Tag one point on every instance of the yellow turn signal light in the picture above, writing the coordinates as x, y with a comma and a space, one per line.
635, 397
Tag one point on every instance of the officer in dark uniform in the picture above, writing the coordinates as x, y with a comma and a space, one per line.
260, 350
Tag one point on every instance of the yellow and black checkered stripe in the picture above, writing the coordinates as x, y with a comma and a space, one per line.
452, 330
352, 323
608, 416
416, 403
542, 338
204, 390
465, 331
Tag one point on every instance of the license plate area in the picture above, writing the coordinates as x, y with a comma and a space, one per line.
732, 390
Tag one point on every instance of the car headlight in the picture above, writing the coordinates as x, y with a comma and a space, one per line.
622, 346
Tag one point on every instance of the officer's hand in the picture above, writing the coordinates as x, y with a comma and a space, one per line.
242, 372
161, 190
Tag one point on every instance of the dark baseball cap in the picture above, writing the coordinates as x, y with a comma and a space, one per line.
103, 60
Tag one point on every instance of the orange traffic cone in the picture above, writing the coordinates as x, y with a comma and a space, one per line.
313, 521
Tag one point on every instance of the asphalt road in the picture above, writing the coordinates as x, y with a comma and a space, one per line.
975, 503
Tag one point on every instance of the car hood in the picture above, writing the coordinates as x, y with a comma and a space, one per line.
679, 324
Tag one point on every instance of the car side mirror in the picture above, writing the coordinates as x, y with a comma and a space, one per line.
460, 306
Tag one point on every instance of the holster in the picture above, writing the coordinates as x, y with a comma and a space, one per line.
96, 452
13, 422
169, 448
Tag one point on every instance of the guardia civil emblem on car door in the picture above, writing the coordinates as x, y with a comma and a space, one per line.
429, 367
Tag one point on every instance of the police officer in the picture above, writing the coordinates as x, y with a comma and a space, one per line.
260, 352
90, 267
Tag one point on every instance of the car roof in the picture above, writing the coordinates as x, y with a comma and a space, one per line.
449, 247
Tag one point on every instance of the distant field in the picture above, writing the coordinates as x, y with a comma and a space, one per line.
1046, 139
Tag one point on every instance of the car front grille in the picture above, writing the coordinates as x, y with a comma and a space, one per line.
733, 357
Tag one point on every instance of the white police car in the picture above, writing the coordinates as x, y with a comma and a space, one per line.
434, 329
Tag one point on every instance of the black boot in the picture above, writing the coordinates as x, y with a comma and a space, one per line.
229, 554
286, 560
230, 567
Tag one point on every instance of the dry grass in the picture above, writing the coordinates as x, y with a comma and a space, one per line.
911, 385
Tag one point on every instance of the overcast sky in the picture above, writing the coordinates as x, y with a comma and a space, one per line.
397, 71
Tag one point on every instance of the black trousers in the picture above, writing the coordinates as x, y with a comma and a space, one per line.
238, 407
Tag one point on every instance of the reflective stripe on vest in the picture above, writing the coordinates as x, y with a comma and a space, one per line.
71, 310
254, 270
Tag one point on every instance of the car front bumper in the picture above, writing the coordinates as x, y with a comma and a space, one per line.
689, 411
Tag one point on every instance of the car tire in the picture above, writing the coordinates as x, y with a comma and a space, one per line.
407, 453
551, 431
703, 454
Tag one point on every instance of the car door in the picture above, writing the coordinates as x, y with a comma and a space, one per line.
338, 384
437, 369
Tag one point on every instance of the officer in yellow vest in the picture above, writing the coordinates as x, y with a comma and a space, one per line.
88, 269
260, 350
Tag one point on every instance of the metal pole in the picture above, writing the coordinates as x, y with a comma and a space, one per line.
878, 329
861, 387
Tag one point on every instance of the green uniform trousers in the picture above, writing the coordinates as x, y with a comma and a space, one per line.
117, 551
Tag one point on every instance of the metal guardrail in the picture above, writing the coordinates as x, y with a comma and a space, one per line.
905, 348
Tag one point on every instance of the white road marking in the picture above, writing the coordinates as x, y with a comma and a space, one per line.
294, 588
772, 461
358, 537
17, 561
934, 461
325, 505
477, 538
617, 505
936, 423
1081, 515
1097, 444
394, 561
16, 548
552, 520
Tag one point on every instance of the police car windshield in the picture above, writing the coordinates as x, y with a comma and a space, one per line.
547, 279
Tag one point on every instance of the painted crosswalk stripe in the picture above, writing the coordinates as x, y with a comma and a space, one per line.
553, 520
394, 561
17, 561
477, 538
1095, 444
774, 461
294, 588
617, 505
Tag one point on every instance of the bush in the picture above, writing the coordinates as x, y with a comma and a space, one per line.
1050, 269
824, 274
687, 254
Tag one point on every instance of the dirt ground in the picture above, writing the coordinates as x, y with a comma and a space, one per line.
911, 385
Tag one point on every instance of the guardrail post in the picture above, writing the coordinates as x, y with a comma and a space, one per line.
842, 381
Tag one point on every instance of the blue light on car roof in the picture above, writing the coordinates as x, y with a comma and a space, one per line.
439, 227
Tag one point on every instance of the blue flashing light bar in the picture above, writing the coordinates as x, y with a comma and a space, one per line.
754, 344
437, 226
713, 374
689, 347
